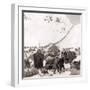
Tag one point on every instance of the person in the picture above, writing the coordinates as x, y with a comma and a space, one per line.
38, 59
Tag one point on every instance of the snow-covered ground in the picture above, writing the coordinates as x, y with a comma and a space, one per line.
63, 74
57, 75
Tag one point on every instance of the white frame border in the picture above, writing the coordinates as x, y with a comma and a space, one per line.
16, 52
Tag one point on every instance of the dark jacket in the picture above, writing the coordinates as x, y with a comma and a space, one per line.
38, 60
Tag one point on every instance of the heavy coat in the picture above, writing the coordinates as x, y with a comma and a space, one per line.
38, 60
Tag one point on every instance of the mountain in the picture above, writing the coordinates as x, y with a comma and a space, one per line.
73, 39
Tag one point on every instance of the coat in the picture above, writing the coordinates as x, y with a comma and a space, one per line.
38, 60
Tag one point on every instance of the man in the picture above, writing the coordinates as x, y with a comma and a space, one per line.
38, 59
60, 65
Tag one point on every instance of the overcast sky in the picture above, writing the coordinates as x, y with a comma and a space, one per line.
75, 19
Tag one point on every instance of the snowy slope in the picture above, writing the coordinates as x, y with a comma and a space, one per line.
73, 39
40, 32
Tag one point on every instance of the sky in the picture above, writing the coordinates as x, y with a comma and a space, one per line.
42, 29
75, 19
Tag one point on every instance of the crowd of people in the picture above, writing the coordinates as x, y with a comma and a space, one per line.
42, 63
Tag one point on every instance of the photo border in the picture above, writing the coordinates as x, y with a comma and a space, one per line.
17, 44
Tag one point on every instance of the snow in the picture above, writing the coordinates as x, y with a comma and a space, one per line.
67, 66
38, 32
58, 75
78, 58
73, 39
